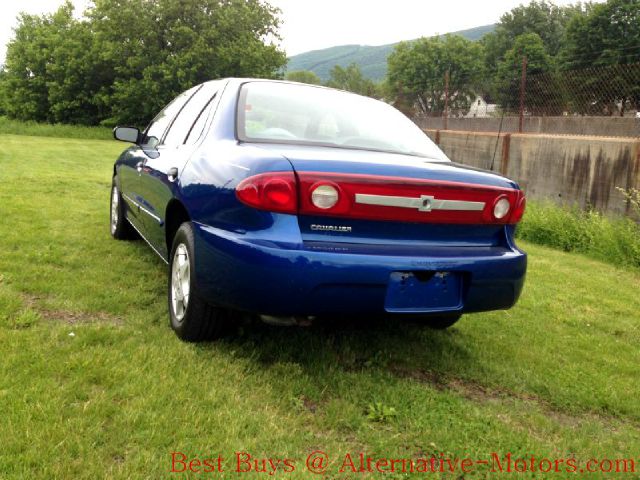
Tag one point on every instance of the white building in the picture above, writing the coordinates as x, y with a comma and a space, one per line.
480, 108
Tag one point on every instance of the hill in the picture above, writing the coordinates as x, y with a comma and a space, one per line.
372, 60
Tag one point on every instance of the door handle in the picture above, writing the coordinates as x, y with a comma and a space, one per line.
139, 166
172, 174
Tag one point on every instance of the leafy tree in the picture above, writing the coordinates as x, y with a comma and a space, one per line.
54, 71
303, 76
159, 48
3, 75
547, 20
78, 77
416, 71
128, 58
351, 79
608, 35
539, 93
25, 82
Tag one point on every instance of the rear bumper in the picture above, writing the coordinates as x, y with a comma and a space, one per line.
316, 278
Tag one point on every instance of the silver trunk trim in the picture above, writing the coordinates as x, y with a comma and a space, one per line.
424, 203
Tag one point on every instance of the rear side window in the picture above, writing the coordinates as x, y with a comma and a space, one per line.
159, 125
190, 114
197, 128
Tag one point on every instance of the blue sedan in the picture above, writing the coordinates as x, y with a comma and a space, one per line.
289, 201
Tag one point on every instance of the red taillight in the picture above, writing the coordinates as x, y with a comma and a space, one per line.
518, 212
376, 197
275, 192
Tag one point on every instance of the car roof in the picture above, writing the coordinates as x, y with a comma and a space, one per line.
241, 80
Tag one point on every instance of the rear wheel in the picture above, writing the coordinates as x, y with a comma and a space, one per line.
191, 317
119, 225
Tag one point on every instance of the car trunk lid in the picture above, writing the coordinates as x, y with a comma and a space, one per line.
386, 198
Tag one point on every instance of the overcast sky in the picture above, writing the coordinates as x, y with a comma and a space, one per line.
314, 24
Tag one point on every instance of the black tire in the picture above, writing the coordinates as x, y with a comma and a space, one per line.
442, 322
119, 226
196, 320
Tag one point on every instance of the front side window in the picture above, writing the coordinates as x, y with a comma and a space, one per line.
275, 112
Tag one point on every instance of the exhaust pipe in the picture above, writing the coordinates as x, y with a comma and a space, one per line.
287, 321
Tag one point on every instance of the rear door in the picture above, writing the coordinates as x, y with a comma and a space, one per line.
163, 166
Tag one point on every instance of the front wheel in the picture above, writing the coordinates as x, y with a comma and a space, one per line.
191, 317
119, 225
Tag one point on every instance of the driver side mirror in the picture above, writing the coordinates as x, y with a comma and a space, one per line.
126, 134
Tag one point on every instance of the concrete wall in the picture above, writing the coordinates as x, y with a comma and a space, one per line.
605, 126
562, 168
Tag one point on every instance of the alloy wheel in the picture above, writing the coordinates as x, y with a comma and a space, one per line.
115, 203
180, 282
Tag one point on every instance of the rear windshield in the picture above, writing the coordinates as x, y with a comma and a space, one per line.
299, 114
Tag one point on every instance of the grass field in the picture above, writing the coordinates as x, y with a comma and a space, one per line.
59, 130
94, 384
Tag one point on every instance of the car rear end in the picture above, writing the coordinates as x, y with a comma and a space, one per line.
309, 228
323, 242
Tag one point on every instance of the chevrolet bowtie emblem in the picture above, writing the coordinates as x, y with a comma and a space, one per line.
426, 203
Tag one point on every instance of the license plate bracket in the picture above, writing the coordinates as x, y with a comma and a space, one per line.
423, 292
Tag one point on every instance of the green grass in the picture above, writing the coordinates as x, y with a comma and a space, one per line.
15, 127
94, 384
613, 240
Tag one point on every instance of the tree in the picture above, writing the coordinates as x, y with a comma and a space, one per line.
540, 92
128, 58
351, 79
607, 36
25, 82
3, 75
78, 77
545, 19
159, 48
416, 71
303, 76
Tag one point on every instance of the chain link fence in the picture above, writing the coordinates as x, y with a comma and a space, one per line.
601, 100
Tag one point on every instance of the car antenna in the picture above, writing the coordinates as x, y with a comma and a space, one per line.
498, 137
